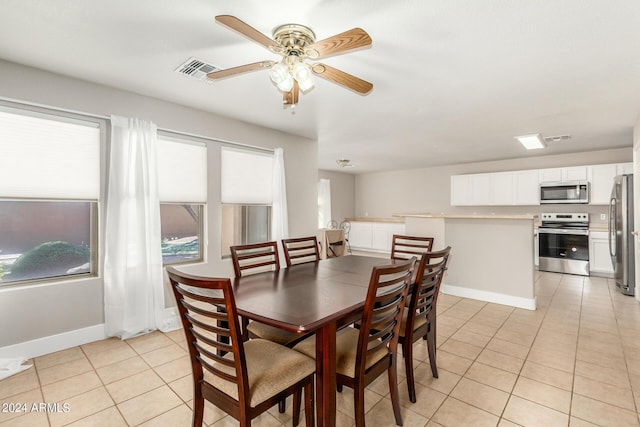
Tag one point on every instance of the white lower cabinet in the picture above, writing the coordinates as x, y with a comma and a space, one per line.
373, 236
599, 258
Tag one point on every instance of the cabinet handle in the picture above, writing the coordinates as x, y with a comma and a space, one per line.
635, 233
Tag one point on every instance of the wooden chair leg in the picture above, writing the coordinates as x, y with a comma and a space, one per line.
282, 405
358, 403
407, 351
431, 347
309, 404
296, 407
393, 387
198, 411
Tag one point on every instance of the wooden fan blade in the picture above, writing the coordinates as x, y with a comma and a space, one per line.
230, 72
340, 43
291, 97
246, 30
343, 79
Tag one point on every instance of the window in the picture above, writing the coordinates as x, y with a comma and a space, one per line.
49, 189
244, 224
45, 239
246, 193
324, 203
182, 187
181, 226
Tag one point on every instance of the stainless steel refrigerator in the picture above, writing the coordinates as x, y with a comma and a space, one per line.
621, 241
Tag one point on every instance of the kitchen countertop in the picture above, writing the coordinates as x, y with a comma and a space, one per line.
467, 216
367, 219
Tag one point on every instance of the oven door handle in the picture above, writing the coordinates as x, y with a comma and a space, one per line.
563, 231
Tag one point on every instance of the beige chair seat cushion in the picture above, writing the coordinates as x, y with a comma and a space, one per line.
346, 348
421, 320
271, 368
277, 335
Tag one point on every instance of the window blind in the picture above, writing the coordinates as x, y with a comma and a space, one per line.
182, 171
246, 176
45, 156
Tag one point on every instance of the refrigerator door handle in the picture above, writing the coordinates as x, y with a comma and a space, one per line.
612, 225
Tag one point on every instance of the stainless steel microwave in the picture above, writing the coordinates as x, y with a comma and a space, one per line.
564, 192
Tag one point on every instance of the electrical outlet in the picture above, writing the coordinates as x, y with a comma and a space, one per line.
603, 217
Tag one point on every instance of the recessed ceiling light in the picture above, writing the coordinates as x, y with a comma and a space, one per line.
531, 142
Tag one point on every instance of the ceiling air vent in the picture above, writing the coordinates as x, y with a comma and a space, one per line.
196, 68
557, 138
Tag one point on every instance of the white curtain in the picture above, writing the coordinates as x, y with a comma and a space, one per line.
324, 203
134, 294
279, 215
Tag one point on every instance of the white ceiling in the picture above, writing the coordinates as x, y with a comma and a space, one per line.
454, 80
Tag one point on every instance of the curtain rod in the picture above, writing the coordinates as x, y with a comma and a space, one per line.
103, 117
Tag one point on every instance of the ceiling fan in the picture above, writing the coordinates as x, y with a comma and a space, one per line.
296, 43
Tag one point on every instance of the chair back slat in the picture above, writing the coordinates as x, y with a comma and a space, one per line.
300, 250
405, 247
255, 258
210, 322
386, 297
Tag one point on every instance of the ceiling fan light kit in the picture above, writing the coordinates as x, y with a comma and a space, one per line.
296, 43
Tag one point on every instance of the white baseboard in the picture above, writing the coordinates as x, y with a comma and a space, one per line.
510, 300
65, 340
53, 343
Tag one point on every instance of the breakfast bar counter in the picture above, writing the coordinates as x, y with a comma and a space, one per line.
492, 256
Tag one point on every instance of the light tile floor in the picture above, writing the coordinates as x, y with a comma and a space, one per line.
574, 361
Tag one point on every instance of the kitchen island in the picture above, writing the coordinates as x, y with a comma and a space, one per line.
492, 256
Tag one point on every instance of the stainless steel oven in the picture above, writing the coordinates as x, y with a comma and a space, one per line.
563, 243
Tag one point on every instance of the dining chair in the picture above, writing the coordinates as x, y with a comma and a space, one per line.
252, 376
255, 258
419, 317
404, 247
346, 226
252, 259
362, 355
300, 250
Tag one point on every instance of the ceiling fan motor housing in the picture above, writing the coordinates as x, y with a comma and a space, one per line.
294, 38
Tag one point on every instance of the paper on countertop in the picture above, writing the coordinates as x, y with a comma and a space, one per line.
13, 366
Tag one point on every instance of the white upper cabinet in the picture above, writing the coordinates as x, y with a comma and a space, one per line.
526, 187
523, 187
601, 182
460, 190
480, 189
575, 173
625, 168
502, 188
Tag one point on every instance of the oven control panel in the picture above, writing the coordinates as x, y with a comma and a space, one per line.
565, 217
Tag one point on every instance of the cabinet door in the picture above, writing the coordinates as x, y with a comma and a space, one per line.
601, 183
360, 235
480, 189
380, 238
550, 175
459, 190
599, 258
526, 188
502, 188
624, 168
577, 173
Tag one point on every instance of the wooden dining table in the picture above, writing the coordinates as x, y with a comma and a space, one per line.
313, 297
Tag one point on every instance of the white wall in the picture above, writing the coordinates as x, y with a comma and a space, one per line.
343, 194
32, 312
379, 195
